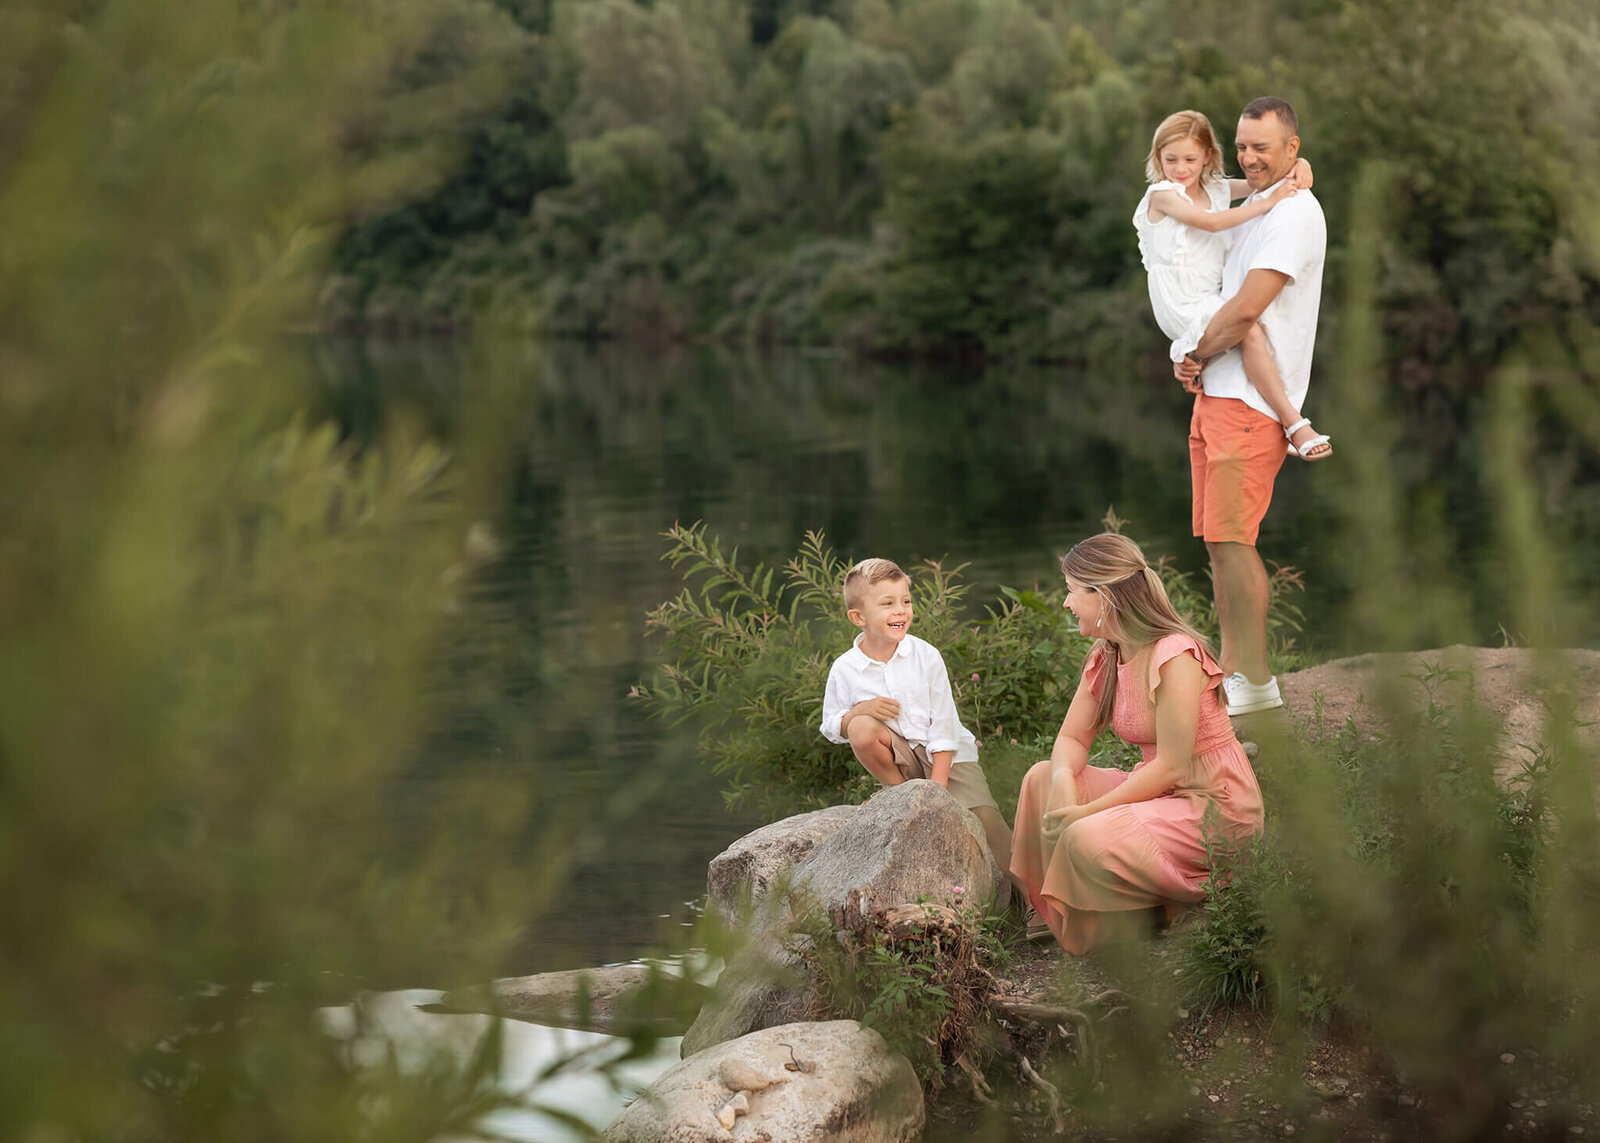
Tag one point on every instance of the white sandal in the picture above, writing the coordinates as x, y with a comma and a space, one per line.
1302, 450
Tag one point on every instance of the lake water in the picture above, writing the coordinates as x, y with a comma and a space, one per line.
1000, 469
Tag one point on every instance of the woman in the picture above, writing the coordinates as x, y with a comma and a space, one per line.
1096, 847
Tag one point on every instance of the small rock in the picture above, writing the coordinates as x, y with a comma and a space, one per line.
740, 1075
1507, 1058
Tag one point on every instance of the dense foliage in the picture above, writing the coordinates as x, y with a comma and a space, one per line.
220, 618
749, 650
959, 174
750, 658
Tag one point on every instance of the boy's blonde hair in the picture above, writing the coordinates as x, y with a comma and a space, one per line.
864, 575
1185, 125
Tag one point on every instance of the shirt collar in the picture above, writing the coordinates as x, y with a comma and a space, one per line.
1263, 192
901, 649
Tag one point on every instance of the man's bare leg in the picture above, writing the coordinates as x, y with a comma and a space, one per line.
1239, 579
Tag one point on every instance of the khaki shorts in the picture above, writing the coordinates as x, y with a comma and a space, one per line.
967, 785
1234, 456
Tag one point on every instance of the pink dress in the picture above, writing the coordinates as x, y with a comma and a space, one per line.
1104, 868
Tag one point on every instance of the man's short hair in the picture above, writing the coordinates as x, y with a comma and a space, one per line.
1272, 105
866, 573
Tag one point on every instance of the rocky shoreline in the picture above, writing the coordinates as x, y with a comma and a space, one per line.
757, 1064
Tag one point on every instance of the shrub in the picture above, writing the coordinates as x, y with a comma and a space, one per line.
748, 656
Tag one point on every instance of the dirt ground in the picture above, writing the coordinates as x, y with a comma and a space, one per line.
1243, 1077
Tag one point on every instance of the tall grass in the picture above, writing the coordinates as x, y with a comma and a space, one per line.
217, 616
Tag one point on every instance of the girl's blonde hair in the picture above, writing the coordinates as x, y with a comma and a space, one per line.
1185, 125
1136, 603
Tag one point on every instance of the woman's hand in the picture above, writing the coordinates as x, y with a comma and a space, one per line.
1057, 820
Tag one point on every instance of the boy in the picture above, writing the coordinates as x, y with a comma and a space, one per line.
889, 698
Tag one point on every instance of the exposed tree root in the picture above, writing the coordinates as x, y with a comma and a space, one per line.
1057, 1120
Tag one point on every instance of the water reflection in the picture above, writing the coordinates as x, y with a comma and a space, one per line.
1001, 469
398, 1022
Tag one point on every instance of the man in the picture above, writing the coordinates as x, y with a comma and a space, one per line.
1273, 275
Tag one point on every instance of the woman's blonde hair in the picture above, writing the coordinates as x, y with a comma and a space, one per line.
1135, 602
1185, 125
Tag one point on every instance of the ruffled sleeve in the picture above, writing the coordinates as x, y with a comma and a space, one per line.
1094, 668
1141, 217
1169, 647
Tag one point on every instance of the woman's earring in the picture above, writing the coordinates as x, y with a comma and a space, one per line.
1099, 621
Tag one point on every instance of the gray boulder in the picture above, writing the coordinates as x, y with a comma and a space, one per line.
617, 998
746, 870
907, 843
795, 1083
764, 986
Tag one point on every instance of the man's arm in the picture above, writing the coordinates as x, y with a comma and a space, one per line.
1231, 323
1240, 312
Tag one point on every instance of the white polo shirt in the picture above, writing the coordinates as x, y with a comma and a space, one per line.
916, 678
1291, 238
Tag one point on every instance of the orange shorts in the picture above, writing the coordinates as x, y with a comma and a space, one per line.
1234, 456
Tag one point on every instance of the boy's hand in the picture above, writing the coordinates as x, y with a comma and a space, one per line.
882, 709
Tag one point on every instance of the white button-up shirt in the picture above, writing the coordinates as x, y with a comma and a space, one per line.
1291, 238
916, 678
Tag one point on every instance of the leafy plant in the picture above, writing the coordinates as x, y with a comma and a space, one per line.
749, 653
922, 986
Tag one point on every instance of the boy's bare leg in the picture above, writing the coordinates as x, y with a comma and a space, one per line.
999, 838
1261, 369
874, 747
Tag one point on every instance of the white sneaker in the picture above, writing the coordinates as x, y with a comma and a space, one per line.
1245, 697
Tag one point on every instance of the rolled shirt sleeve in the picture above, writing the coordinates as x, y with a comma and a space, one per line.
944, 727
835, 702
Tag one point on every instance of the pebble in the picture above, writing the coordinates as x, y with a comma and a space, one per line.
1507, 1058
1214, 1098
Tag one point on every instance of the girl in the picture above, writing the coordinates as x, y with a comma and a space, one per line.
1097, 848
1181, 223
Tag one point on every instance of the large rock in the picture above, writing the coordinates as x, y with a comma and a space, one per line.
747, 869
613, 999
907, 843
764, 986
796, 1083
1505, 682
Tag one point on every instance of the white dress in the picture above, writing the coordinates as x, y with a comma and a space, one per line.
1183, 265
